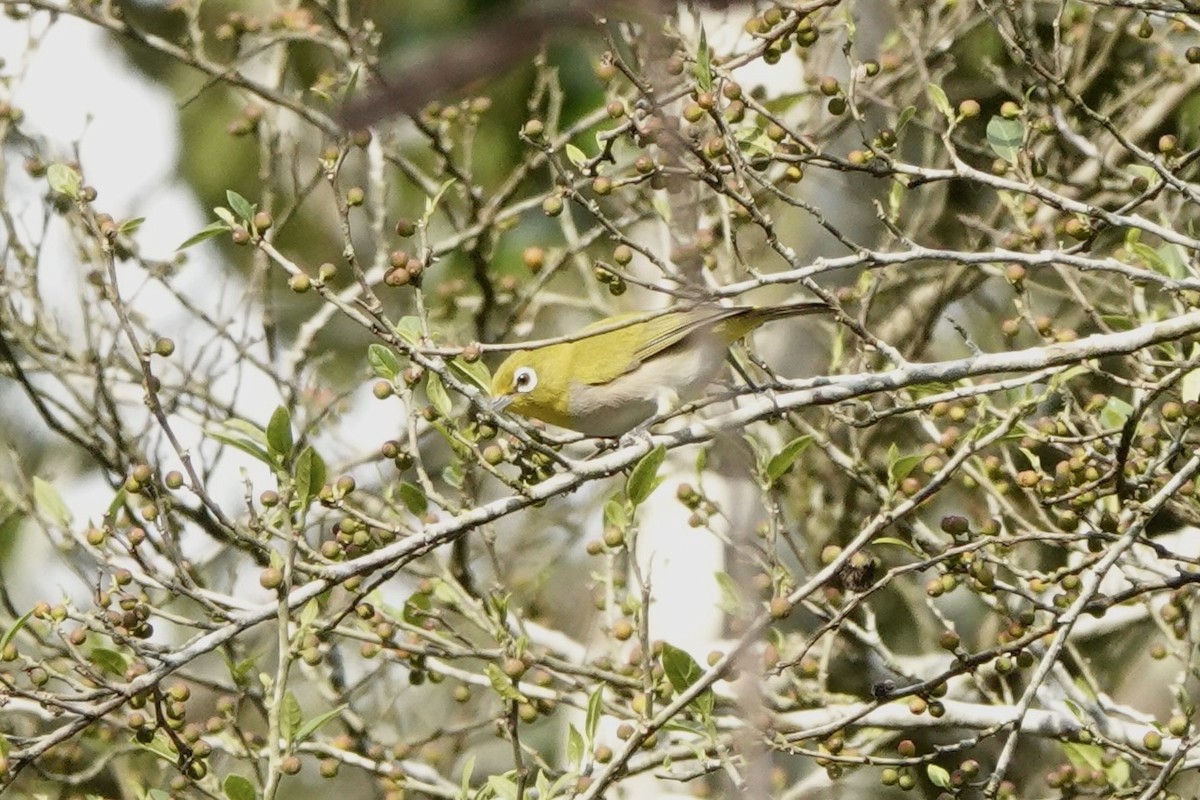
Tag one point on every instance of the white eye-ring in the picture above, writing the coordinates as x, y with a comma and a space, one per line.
525, 380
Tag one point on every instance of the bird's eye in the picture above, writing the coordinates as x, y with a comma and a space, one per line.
525, 380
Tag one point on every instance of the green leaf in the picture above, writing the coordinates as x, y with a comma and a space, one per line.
938, 97
279, 433
10, 523
502, 787
240, 205
444, 593
896, 198
383, 362
110, 514
1119, 773
310, 727
212, 230
905, 116
575, 747
731, 602
239, 443
1173, 259
594, 709
290, 717
575, 155
782, 461
1189, 386
130, 225
308, 614
244, 436
1142, 171
643, 479
1151, 258
435, 390
615, 515
1115, 412
242, 671
352, 83
453, 473
898, 543
473, 372
414, 499
310, 474
703, 68
431, 203
109, 661
247, 429
9, 634
1005, 136
50, 502
64, 180
503, 685
467, 770
409, 329
900, 466
938, 776
682, 671
238, 788
1082, 756
417, 608
158, 747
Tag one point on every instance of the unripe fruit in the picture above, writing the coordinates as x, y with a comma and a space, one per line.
533, 129
780, 607
270, 578
534, 258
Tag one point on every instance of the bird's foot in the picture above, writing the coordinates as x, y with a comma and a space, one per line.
641, 433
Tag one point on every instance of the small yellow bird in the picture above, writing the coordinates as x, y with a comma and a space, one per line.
608, 382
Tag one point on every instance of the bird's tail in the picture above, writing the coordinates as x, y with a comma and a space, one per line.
768, 313
740, 321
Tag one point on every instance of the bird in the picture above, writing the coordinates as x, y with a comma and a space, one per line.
625, 370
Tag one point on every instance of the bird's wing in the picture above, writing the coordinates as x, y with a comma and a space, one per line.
653, 337
670, 329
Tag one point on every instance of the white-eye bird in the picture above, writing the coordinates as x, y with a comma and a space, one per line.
615, 376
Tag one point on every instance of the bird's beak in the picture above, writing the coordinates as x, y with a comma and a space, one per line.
500, 403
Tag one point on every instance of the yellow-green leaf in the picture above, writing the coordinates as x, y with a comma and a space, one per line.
50, 502
383, 362
279, 433
1005, 136
643, 479
64, 180
782, 461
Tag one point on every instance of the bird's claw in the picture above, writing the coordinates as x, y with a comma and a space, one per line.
639, 434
